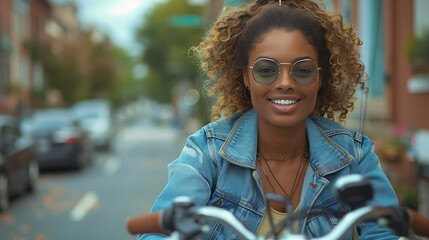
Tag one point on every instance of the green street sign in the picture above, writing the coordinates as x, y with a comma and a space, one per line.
186, 20
235, 3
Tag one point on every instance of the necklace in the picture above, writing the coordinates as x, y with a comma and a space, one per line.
305, 156
269, 181
295, 182
267, 158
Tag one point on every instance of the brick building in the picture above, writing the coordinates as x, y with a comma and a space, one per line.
5, 45
20, 21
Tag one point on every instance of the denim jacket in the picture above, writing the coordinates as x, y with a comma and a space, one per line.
217, 167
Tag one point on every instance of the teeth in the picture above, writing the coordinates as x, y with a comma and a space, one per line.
283, 102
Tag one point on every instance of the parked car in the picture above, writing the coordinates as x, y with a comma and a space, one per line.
60, 141
95, 116
19, 169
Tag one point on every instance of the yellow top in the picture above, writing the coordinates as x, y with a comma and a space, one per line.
265, 226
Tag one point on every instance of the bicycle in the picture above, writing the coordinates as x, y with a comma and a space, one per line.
184, 220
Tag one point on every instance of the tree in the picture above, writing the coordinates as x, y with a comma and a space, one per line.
87, 68
165, 47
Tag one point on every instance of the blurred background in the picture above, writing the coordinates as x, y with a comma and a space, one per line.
97, 97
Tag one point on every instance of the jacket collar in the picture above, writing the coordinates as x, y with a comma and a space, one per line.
241, 143
327, 156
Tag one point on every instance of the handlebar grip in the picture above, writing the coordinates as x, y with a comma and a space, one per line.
419, 223
149, 223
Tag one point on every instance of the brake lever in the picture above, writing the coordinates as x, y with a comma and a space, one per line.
398, 222
180, 218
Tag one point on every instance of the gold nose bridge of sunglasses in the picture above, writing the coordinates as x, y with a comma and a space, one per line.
297, 62
290, 70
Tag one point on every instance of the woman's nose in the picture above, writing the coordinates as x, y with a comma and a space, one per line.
285, 79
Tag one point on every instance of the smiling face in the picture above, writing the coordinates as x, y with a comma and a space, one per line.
284, 103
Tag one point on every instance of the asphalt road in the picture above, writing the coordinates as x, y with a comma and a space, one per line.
94, 203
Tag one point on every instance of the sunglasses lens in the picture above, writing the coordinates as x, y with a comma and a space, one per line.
265, 71
304, 72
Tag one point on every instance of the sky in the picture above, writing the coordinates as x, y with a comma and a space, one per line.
117, 18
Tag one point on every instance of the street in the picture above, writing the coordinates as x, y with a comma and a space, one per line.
94, 203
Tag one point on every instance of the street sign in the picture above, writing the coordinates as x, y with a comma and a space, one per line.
235, 2
186, 20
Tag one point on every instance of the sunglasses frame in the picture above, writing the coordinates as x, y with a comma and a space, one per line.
290, 71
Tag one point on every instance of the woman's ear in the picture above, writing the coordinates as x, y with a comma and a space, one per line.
246, 78
320, 82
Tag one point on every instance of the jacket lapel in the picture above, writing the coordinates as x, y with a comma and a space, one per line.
241, 144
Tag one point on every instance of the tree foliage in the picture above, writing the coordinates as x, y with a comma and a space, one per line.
165, 48
82, 69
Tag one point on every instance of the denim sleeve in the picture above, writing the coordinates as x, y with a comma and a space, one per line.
192, 174
384, 194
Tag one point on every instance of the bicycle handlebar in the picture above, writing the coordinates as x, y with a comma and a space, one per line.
419, 223
225, 217
185, 220
150, 223
155, 222
368, 213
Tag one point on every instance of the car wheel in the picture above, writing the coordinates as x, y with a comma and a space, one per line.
107, 146
33, 175
4, 192
79, 161
89, 156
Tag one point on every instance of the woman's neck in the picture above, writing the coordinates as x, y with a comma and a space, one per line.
282, 142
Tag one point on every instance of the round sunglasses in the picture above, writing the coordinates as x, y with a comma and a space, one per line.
266, 71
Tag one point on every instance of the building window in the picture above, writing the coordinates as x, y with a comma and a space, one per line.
4, 75
372, 51
421, 18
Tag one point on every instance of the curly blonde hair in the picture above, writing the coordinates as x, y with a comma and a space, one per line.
222, 62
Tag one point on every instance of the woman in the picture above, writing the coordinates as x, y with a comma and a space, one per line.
281, 73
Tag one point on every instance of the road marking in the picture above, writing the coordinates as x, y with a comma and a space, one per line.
84, 205
112, 165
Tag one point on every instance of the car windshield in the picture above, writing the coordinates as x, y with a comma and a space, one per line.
89, 115
52, 120
91, 110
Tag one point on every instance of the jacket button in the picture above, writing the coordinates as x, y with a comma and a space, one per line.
218, 203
